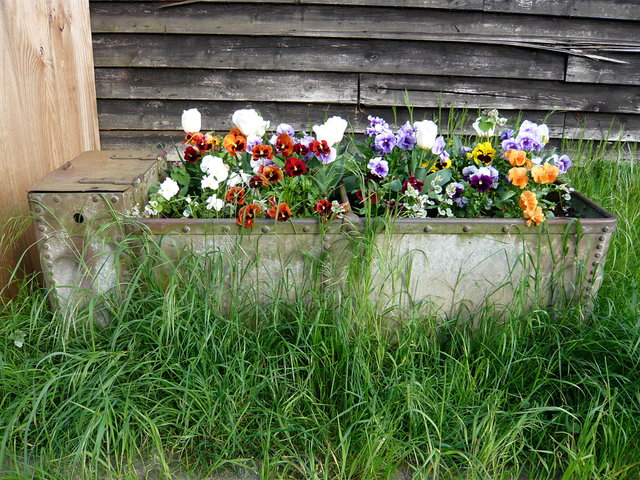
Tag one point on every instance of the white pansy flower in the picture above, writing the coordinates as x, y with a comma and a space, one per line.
169, 188
483, 133
191, 120
543, 133
215, 203
209, 181
250, 122
331, 131
215, 166
236, 178
426, 133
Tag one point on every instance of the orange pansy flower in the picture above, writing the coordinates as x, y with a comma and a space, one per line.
236, 195
262, 151
247, 215
534, 215
528, 200
517, 158
272, 173
518, 176
235, 143
280, 212
546, 173
284, 145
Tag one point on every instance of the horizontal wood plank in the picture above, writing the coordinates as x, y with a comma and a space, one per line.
585, 70
231, 85
432, 91
618, 9
216, 115
357, 22
323, 54
603, 126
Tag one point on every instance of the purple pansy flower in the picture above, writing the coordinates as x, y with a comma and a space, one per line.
378, 167
329, 157
510, 144
454, 190
465, 150
252, 141
406, 136
384, 142
563, 163
484, 179
285, 128
507, 134
438, 146
377, 125
468, 171
527, 141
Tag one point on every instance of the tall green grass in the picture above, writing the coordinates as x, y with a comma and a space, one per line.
176, 384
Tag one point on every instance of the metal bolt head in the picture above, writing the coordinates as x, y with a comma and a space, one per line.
50, 264
606, 228
505, 229
326, 245
38, 209
306, 228
598, 255
95, 198
47, 255
466, 228
226, 229
113, 198
42, 228
265, 229
56, 198
136, 182
46, 246
427, 229
186, 229
602, 238
599, 246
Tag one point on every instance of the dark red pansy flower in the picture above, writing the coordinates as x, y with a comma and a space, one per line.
320, 148
284, 145
262, 151
192, 154
414, 182
236, 195
258, 181
368, 195
247, 215
323, 207
295, 167
300, 149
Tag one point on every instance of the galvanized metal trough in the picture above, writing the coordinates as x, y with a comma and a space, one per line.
449, 266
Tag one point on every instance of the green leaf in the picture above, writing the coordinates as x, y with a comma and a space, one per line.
395, 185
438, 178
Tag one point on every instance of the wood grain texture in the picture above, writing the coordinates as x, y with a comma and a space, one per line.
598, 126
47, 95
618, 9
238, 85
431, 91
585, 70
323, 54
357, 22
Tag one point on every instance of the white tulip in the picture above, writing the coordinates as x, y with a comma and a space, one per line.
543, 133
191, 120
250, 122
426, 133
331, 131
169, 188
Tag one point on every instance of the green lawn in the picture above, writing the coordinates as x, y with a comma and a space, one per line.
319, 390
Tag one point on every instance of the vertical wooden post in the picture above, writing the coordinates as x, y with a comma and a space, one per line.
48, 110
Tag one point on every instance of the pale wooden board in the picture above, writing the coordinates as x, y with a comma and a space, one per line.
619, 9
432, 91
47, 94
201, 84
323, 54
356, 22
585, 70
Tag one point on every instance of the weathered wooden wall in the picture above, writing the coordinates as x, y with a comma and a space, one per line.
299, 60
47, 99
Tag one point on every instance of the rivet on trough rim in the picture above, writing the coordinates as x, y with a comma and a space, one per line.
95, 198
46, 246
598, 255
505, 229
306, 228
600, 246
42, 228
113, 199
118, 238
136, 182
186, 229
427, 229
56, 198
466, 228
266, 229
38, 209
326, 245
50, 264
602, 238
226, 228
595, 264
605, 228
47, 255
67, 166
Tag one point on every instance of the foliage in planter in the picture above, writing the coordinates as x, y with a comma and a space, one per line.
415, 172
248, 175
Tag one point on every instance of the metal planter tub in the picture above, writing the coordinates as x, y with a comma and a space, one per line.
448, 266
